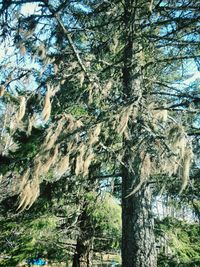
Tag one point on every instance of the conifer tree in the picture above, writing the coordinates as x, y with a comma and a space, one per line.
104, 75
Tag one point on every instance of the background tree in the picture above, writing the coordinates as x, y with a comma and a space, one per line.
61, 226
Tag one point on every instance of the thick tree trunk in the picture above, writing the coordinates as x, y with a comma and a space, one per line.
138, 242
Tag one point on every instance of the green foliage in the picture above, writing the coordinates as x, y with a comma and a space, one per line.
183, 241
77, 111
26, 239
105, 216
27, 146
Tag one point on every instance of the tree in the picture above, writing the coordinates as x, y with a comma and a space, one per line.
60, 227
108, 107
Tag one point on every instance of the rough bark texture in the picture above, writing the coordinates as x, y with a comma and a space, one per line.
138, 242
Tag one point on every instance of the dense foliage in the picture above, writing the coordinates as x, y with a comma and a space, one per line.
180, 243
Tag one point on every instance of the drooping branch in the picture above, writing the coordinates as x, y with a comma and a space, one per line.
71, 43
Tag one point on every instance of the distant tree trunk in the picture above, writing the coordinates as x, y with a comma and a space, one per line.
83, 253
84, 246
138, 243
77, 254
89, 253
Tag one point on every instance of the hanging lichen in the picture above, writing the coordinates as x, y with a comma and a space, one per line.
52, 158
185, 168
145, 171
2, 90
81, 76
151, 6
94, 135
24, 178
22, 49
53, 134
63, 166
160, 115
22, 108
46, 112
107, 88
31, 121
87, 163
178, 140
29, 194
124, 118
80, 160
42, 51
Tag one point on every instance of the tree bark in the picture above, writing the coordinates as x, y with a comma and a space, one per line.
77, 255
84, 253
138, 242
84, 246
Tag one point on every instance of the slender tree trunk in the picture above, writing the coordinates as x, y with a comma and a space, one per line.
89, 253
84, 245
77, 254
138, 242
84, 253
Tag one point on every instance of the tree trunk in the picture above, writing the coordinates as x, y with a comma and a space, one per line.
89, 253
84, 246
83, 253
77, 254
138, 242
